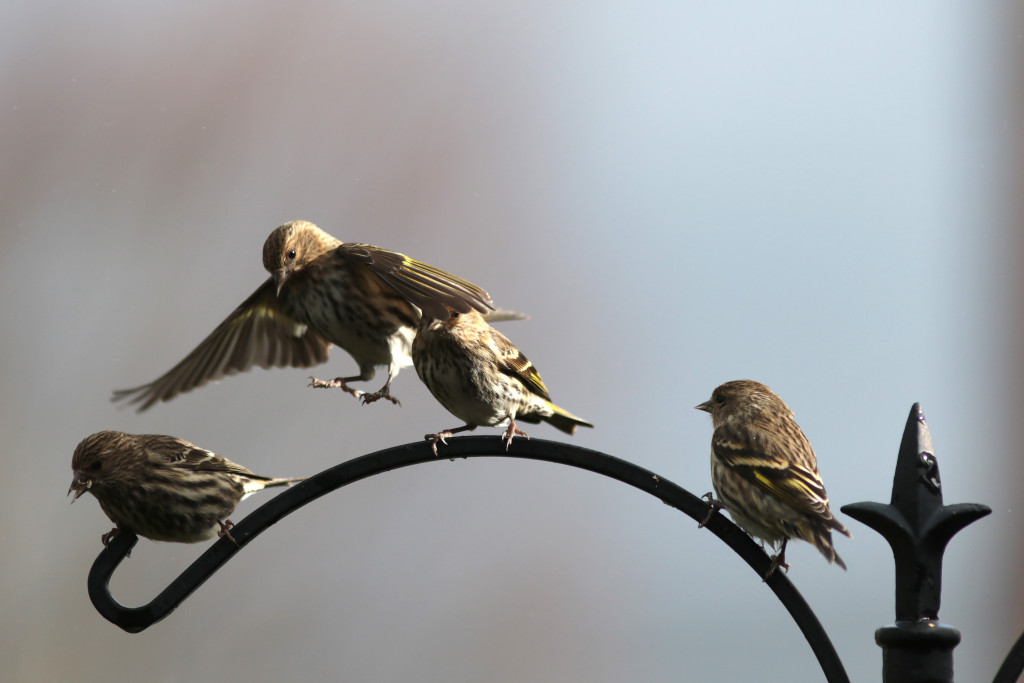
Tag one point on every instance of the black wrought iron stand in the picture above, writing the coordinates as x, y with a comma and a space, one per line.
917, 648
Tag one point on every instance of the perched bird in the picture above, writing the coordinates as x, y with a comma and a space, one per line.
476, 373
162, 487
321, 291
764, 471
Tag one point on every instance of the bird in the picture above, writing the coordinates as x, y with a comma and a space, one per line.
480, 377
321, 291
161, 487
765, 473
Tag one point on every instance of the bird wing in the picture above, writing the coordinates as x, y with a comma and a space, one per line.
428, 288
512, 362
180, 453
756, 456
258, 332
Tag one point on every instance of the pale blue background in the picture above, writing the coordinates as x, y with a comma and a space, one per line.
678, 193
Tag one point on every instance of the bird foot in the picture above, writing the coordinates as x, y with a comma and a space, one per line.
336, 383
715, 506
510, 432
109, 536
225, 530
778, 560
377, 395
434, 438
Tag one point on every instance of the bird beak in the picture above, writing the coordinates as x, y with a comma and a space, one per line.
79, 486
280, 277
705, 406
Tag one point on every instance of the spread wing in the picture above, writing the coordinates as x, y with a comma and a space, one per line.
757, 457
256, 333
428, 288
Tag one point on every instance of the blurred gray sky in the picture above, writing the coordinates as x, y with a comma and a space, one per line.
678, 194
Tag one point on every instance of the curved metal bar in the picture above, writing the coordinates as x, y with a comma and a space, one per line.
1013, 665
135, 619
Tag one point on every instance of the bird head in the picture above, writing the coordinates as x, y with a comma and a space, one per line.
720, 398
290, 247
87, 464
99, 460
744, 399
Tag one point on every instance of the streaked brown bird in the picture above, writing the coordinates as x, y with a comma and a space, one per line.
765, 472
480, 377
162, 487
322, 291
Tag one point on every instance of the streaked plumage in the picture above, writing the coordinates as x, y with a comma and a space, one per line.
765, 472
322, 291
480, 377
162, 487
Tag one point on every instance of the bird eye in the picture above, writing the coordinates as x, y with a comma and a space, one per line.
291, 254
95, 466
720, 400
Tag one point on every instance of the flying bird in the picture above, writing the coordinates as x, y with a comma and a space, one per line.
322, 291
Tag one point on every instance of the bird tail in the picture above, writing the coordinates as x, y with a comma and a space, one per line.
282, 482
501, 315
822, 540
835, 524
564, 420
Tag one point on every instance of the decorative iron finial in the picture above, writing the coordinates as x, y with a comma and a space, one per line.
918, 527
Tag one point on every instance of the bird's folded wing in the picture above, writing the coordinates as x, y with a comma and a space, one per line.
512, 362
791, 483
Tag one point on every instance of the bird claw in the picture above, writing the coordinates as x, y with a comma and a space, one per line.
715, 506
778, 560
109, 536
225, 530
336, 383
510, 432
377, 395
434, 438
776, 563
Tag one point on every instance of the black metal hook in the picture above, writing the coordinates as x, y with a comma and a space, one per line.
135, 619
